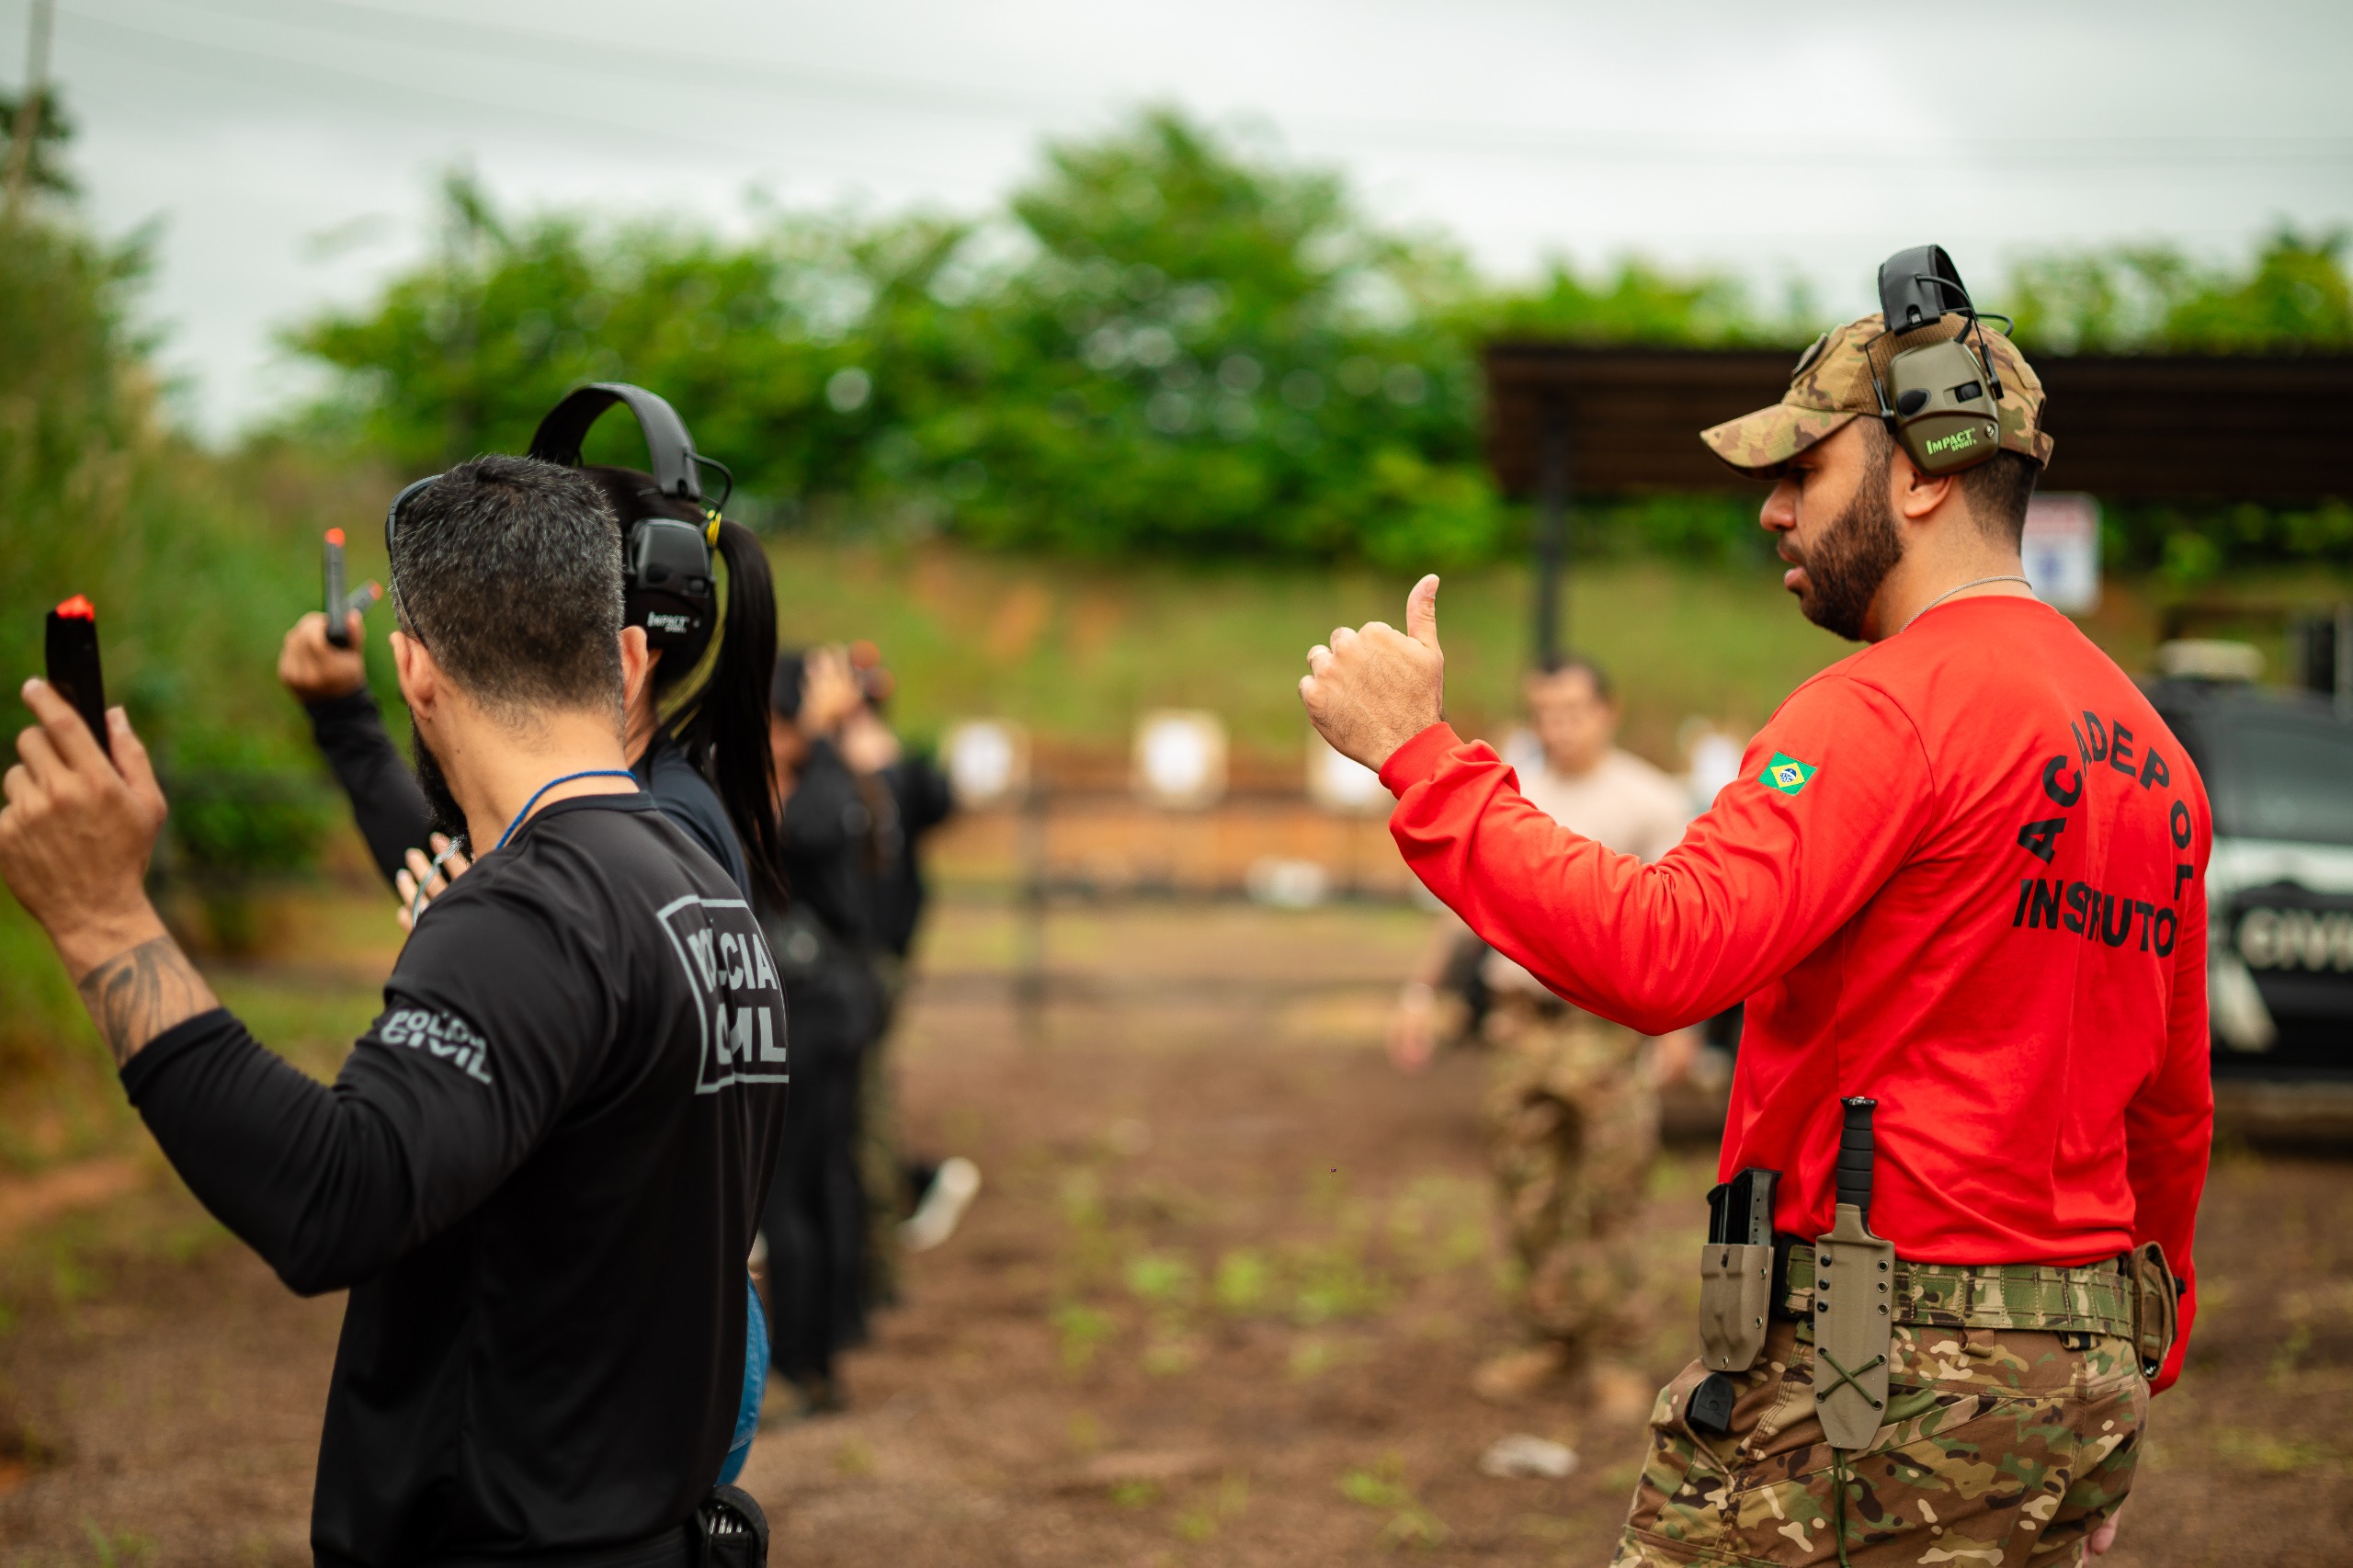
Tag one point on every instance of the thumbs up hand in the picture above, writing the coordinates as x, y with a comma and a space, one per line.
1370, 690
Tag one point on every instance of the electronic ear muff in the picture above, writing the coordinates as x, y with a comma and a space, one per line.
669, 582
1937, 400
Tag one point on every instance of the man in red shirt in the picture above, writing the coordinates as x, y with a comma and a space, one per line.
1963, 875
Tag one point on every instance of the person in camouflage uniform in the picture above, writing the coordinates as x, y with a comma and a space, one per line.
1572, 1110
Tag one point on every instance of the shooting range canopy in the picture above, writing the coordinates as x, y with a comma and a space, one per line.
2155, 428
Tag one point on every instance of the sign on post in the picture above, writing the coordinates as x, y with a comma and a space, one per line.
1342, 784
988, 763
1180, 759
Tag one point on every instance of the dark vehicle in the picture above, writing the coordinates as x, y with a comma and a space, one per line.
2278, 769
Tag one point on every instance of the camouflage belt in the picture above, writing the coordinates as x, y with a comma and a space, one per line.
2093, 1300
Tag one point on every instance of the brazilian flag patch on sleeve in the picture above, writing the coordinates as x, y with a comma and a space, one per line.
1786, 774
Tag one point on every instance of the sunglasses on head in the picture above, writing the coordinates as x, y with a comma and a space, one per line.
392, 527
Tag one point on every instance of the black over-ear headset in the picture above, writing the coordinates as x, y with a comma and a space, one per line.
1939, 399
668, 586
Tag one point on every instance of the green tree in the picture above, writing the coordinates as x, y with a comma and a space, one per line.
1212, 355
1637, 302
2296, 298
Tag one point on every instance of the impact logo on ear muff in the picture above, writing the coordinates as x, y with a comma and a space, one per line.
1937, 396
670, 581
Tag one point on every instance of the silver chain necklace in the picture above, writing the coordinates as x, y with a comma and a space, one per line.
2008, 577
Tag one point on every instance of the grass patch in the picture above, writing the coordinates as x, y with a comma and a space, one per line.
1384, 1490
2267, 1453
1163, 1279
1201, 1522
1079, 1332
1076, 651
1245, 1281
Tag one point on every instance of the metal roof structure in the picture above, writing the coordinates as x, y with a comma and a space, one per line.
1562, 417
2170, 427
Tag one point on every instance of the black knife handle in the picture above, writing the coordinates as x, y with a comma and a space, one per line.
1855, 1155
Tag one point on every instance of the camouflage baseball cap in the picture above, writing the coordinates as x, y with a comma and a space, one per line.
1832, 385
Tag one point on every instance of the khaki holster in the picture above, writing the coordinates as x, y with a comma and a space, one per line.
2156, 1306
1735, 1300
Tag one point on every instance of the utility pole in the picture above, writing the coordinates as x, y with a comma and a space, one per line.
29, 112
1553, 542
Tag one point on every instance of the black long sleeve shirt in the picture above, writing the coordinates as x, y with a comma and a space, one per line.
385, 799
825, 827
923, 800
539, 1172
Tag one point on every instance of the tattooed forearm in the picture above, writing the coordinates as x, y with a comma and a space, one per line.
143, 990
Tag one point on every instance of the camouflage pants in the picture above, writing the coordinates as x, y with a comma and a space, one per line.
2001, 1447
1575, 1128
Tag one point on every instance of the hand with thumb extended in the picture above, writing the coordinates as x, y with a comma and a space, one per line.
1370, 690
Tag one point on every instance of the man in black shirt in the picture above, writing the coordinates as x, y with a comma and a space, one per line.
541, 1169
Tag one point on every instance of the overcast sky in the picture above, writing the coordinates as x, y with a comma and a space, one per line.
290, 147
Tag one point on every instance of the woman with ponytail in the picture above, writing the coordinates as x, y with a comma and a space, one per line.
697, 734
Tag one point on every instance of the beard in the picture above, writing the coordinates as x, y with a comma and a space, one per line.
449, 817
1848, 564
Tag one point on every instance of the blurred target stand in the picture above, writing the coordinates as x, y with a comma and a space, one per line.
1183, 817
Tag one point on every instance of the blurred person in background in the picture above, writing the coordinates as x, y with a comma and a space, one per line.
823, 940
910, 1205
1573, 1109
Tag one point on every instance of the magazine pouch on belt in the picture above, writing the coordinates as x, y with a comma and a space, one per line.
2157, 1308
1854, 1299
730, 1530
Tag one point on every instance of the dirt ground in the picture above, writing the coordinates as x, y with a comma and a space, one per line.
1218, 1303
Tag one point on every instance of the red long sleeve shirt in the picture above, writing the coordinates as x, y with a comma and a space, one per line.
1964, 873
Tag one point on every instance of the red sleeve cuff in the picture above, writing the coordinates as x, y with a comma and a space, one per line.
1418, 759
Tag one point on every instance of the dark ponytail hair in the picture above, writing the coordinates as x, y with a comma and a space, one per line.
721, 724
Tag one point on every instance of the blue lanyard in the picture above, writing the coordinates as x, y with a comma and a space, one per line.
586, 773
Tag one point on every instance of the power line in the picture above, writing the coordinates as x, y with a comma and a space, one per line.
781, 80
402, 100
633, 61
